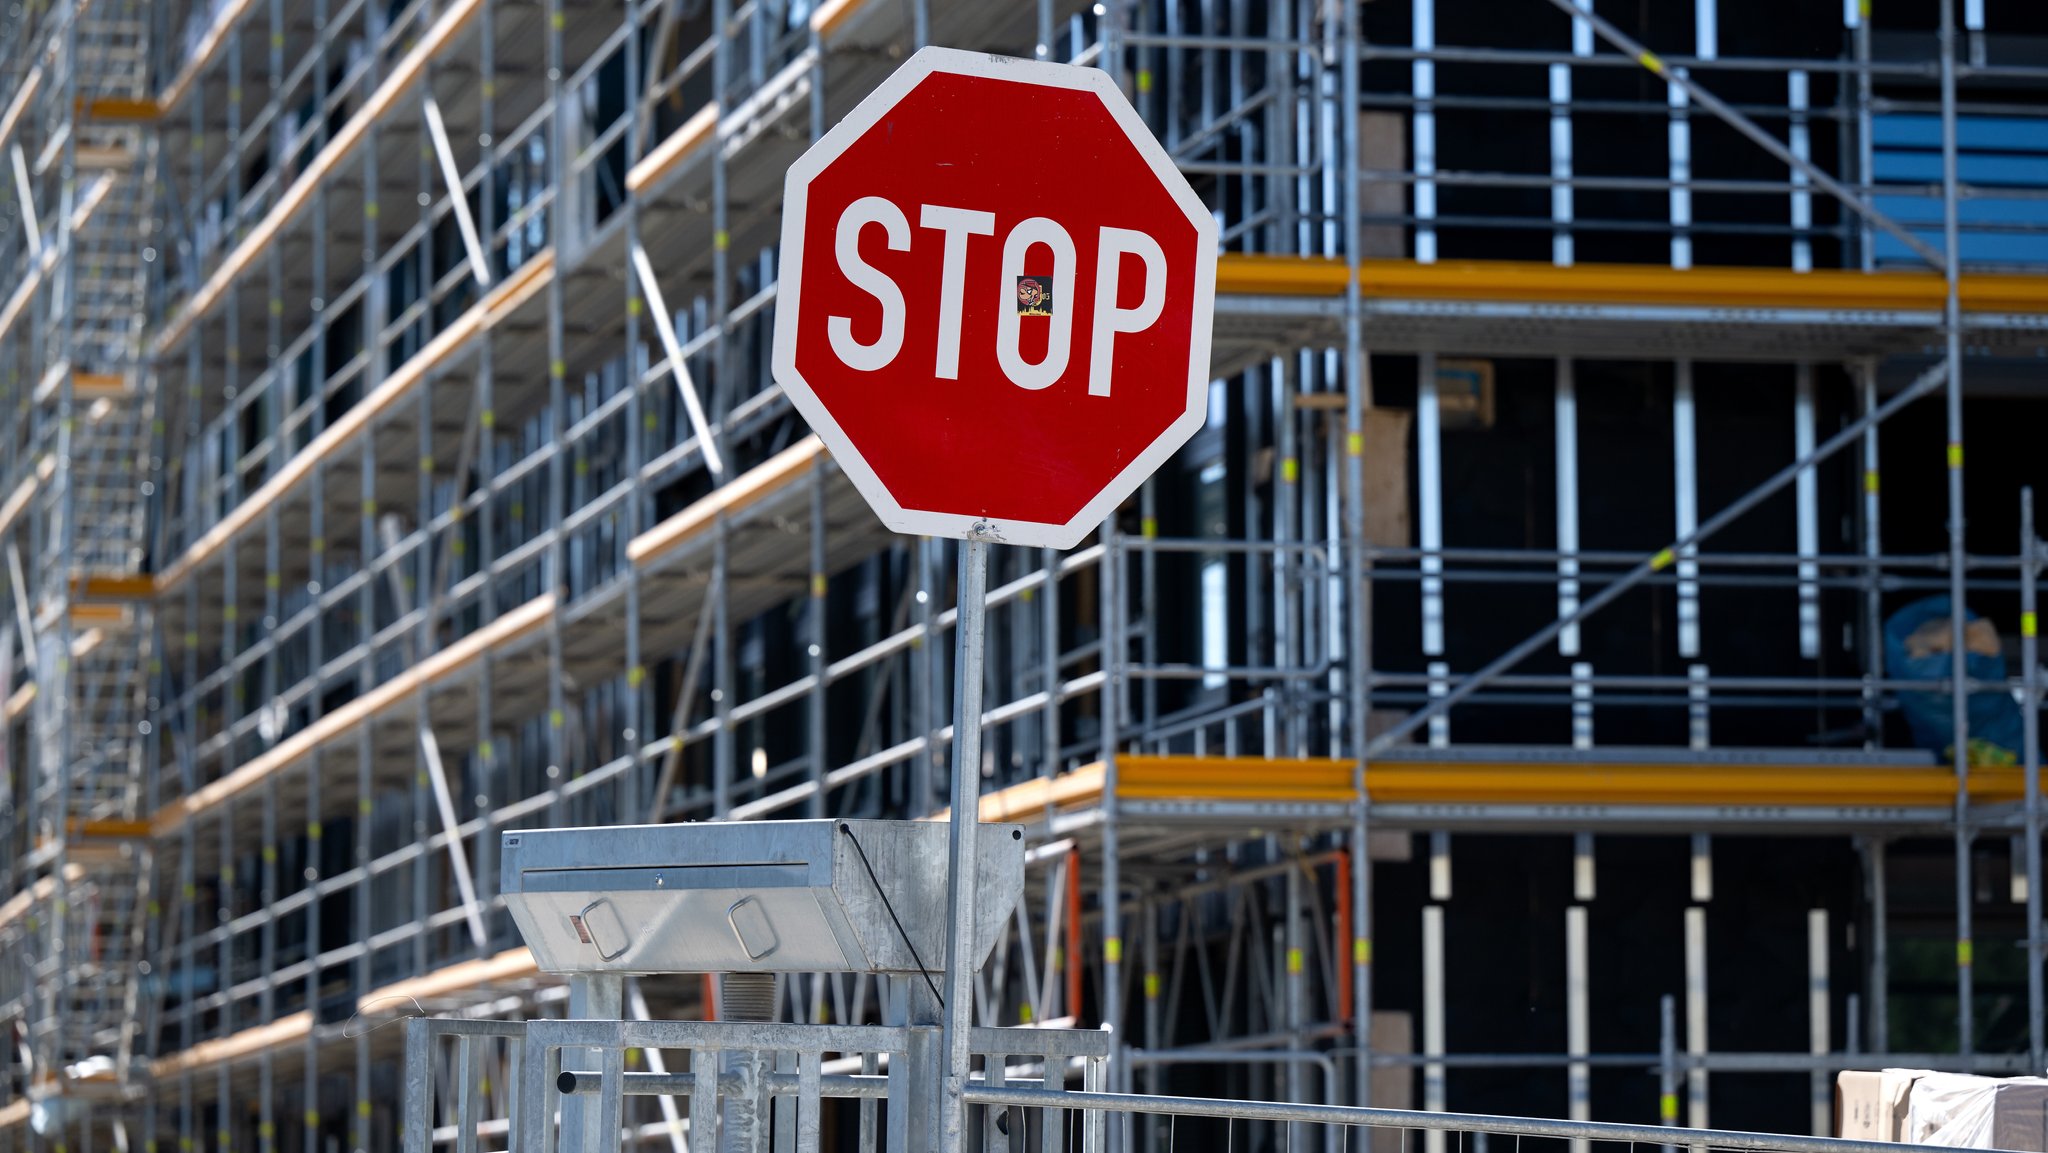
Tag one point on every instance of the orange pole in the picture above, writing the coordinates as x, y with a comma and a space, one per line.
1073, 957
1343, 902
710, 997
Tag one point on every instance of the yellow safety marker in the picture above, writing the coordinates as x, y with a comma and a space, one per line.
1113, 950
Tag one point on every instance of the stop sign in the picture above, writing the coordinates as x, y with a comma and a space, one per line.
995, 298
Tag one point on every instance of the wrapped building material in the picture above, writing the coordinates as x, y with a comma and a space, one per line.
1872, 1106
1963, 1111
1918, 641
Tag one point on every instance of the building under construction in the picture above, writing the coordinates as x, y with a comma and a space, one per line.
1489, 710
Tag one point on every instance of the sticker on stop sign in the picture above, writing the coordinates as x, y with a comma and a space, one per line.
995, 298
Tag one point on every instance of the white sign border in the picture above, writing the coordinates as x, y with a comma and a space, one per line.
796, 192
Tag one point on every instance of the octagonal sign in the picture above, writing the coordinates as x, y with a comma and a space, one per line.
995, 298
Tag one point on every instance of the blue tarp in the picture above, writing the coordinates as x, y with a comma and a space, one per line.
1994, 717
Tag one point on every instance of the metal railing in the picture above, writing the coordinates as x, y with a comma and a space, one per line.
566, 1084
1348, 1118
758, 1086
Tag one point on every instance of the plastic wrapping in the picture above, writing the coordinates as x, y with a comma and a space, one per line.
1963, 1111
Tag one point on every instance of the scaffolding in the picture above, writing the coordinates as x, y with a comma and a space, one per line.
79, 641
393, 461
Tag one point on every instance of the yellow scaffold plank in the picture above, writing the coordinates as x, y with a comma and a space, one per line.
1641, 284
202, 54
100, 842
98, 385
1032, 798
1244, 274
516, 290
113, 587
759, 482
510, 965
410, 69
680, 146
99, 614
119, 110
109, 828
21, 902
17, 501
1188, 778
17, 107
82, 645
17, 301
832, 15
391, 694
1256, 780
235, 1046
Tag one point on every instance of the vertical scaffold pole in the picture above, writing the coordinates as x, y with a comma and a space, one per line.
1966, 1039
1356, 396
2030, 659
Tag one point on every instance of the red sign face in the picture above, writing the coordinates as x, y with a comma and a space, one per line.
995, 298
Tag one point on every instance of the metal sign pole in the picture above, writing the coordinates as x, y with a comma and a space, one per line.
969, 645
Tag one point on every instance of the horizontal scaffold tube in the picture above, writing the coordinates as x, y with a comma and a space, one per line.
1362, 1117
